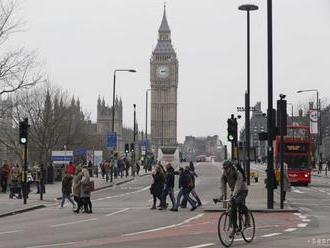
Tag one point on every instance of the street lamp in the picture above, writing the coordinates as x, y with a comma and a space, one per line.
318, 118
146, 135
113, 95
248, 8
134, 134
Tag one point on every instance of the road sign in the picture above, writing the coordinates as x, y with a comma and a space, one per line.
111, 140
62, 157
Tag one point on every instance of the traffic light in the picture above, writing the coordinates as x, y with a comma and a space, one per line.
132, 147
282, 116
126, 148
232, 129
23, 131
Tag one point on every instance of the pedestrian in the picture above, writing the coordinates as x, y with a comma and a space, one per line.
102, 165
121, 167
320, 167
4, 171
67, 189
85, 192
168, 187
286, 183
76, 188
328, 165
193, 192
70, 168
185, 185
108, 169
156, 188
137, 167
127, 165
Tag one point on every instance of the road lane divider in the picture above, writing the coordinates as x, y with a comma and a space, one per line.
164, 227
9, 232
118, 212
52, 245
201, 245
73, 223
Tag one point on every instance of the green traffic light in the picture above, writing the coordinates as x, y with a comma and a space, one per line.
230, 137
23, 140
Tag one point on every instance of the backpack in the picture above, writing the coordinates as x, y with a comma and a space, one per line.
241, 170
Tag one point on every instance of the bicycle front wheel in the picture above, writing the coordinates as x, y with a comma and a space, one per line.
225, 228
248, 231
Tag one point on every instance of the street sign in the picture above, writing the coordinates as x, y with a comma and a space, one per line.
62, 157
146, 142
111, 140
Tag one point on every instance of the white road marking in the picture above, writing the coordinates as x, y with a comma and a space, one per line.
306, 220
200, 246
238, 239
120, 211
72, 223
298, 191
302, 224
8, 232
290, 229
51, 245
125, 194
164, 227
270, 235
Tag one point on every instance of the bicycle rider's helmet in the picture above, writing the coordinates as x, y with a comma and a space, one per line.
227, 164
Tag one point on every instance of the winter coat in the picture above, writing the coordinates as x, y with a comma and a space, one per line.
169, 177
84, 188
235, 180
286, 184
77, 185
156, 188
186, 179
67, 184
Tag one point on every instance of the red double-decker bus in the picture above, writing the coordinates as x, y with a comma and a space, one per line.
297, 154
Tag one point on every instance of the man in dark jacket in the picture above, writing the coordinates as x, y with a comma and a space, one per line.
67, 189
185, 185
168, 187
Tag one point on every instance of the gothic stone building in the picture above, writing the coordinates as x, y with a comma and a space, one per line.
164, 85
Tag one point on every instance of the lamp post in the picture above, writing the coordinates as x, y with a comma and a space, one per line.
318, 108
146, 134
134, 135
114, 95
270, 110
248, 8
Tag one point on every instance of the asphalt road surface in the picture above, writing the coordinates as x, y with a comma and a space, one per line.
122, 218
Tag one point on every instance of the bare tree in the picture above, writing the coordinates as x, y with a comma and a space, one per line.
18, 69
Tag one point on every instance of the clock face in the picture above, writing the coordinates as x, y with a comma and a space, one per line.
163, 71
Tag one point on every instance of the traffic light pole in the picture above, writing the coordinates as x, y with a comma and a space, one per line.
270, 124
24, 178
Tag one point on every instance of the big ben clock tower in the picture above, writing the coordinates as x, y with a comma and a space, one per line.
164, 85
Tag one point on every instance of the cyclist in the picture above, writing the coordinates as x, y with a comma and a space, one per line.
236, 179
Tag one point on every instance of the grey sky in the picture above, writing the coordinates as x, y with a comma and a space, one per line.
83, 41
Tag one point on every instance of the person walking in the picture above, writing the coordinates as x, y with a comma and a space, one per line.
67, 189
168, 187
156, 188
127, 165
185, 185
85, 192
193, 192
76, 188
4, 172
286, 183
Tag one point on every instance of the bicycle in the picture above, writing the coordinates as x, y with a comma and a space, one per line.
225, 227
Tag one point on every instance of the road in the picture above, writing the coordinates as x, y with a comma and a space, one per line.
122, 218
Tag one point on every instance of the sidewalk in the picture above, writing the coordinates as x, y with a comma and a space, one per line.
256, 200
53, 194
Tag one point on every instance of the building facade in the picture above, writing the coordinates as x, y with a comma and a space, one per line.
164, 85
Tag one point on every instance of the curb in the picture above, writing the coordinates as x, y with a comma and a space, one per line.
257, 210
22, 210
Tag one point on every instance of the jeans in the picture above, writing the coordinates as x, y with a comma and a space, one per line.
168, 191
66, 196
185, 193
238, 203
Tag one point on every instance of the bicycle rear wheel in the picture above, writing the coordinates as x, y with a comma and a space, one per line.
248, 232
224, 230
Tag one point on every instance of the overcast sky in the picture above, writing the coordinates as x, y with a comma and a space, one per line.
83, 41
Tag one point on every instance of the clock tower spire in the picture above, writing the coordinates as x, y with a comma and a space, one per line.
164, 84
